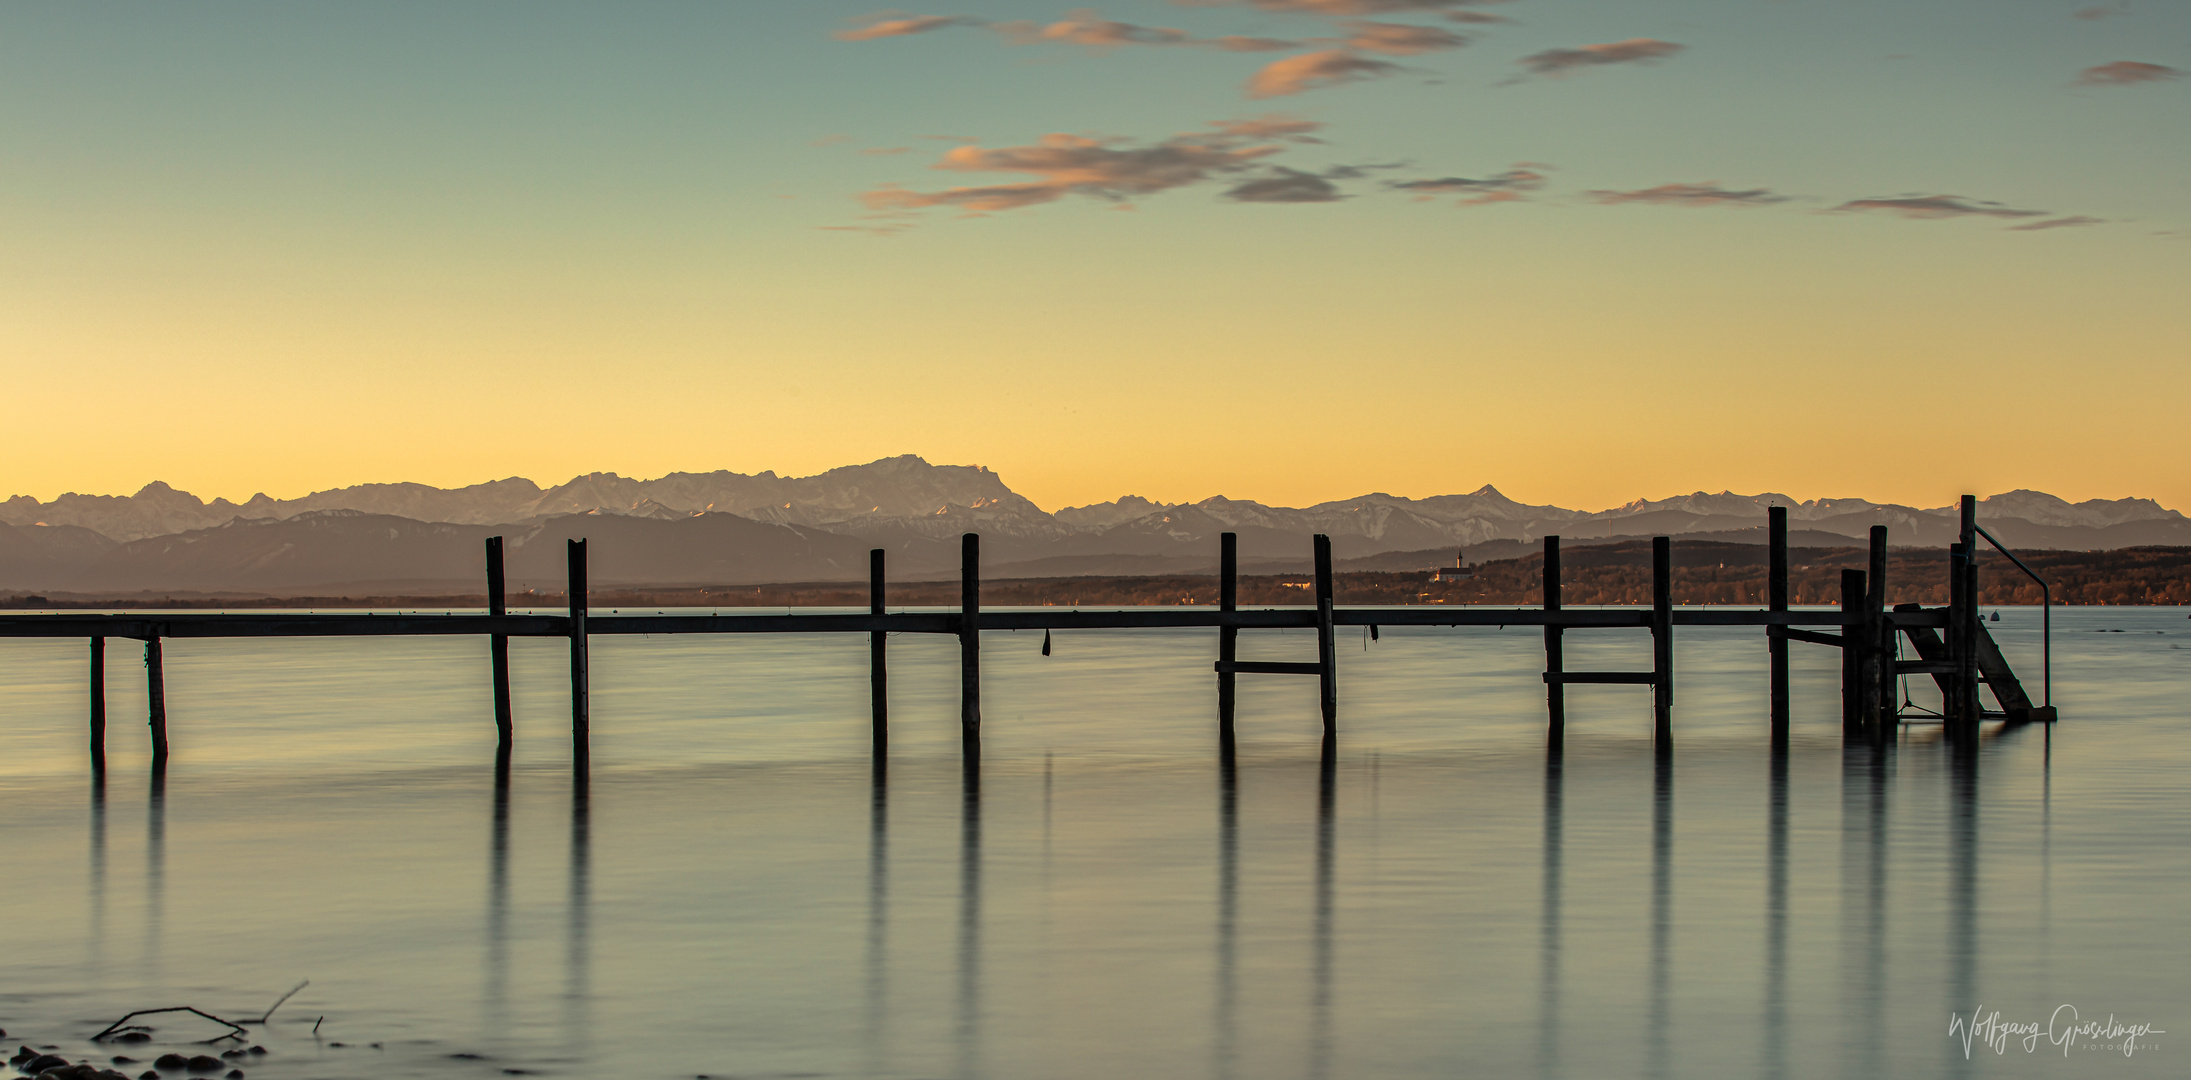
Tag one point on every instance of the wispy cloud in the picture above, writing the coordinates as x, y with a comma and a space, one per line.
2071, 222
1284, 185
1345, 7
1936, 207
1512, 185
1109, 169
1708, 193
1240, 43
1631, 51
2126, 73
1314, 71
1083, 28
895, 24
1272, 126
1400, 39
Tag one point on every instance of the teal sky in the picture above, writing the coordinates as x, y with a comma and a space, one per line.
285, 247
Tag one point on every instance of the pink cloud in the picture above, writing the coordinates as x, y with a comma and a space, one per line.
1512, 185
1631, 51
1708, 193
1344, 7
895, 25
2126, 73
1937, 207
1111, 169
2071, 222
1313, 71
1399, 39
1083, 28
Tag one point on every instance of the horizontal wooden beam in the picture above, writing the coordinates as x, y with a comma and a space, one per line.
1638, 678
1924, 667
1267, 667
1831, 641
354, 624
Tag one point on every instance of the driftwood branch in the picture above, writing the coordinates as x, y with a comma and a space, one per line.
278, 1002
235, 1030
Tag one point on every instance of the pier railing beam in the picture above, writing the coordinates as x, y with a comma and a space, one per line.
581, 675
1228, 640
1662, 641
970, 642
1776, 599
498, 646
98, 704
1555, 652
156, 700
878, 670
1327, 645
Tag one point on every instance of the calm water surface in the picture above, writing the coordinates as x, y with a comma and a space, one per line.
741, 892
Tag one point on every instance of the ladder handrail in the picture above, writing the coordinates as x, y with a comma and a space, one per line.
2046, 618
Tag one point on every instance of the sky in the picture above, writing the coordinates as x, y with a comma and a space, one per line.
1283, 250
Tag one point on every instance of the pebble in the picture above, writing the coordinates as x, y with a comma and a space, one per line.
148, 1075
234, 1054
204, 1063
256, 1050
171, 1062
119, 1060
234, 1074
43, 1062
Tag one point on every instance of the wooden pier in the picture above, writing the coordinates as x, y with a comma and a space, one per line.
1951, 644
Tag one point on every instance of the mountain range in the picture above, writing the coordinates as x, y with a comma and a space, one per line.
733, 528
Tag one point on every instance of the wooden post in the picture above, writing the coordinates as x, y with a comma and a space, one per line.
878, 672
1662, 640
1956, 701
156, 701
498, 645
1880, 711
1972, 616
98, 705
1327, 648
1228, 639
581, 675
1852, 653
1555, 654
970, 642
1776, 599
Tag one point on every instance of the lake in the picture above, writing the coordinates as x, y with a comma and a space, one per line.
741, 891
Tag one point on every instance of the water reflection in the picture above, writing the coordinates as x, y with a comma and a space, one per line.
1548, 925
968, 1029
878, 909
1962, 880
1662, 896
578, 924
497, 991
1865, 775
155, 861
1776, 915
1327, 774
98, 898
1228, 914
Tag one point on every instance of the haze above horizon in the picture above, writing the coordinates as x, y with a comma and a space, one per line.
1590, 252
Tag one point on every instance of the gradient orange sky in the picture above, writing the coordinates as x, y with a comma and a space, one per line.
252, 248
